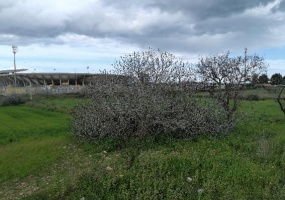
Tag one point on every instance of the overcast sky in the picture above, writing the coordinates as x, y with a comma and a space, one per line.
69, 35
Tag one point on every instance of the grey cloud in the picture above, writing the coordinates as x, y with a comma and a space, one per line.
282, 6
200, 10
24, 19
175, 25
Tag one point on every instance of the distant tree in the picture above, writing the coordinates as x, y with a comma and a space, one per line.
263, 79
276, 79
254, 79
283, 80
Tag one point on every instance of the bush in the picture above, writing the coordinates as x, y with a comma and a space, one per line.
249, 97
252, 97
151, 94
134, 112
13, 99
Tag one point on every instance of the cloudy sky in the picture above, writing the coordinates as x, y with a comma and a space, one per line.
69, 35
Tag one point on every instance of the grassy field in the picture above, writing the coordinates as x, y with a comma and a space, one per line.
40, 159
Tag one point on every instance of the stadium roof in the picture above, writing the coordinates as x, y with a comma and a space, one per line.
10, 71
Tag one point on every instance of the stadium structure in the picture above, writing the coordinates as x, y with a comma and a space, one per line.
18, 82
7, 78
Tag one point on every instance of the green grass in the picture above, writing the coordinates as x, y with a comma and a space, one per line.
21, 122
30, 141
259, 93
56, 103
21, 159
247, 163
264, 93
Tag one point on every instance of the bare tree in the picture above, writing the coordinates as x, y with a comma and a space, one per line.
225, 76
254, 79
158, 67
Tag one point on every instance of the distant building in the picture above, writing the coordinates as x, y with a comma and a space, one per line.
44, 79
11, 71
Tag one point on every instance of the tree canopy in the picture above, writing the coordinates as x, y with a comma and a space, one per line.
263, 79
276, 79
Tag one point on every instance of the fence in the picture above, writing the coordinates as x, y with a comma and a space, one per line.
40, 90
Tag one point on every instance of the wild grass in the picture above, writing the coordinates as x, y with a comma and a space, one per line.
21, 159
30, 140
247, 163
21, 122
59, 103
262, 93
258, 93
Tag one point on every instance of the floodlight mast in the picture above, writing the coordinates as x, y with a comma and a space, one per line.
15, 50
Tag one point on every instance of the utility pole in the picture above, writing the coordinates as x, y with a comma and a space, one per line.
245, 57
15, 50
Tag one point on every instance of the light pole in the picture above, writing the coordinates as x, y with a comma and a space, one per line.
15, 49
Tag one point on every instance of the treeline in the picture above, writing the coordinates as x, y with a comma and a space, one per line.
275, 79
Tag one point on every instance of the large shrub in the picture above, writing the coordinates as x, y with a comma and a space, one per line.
150, 93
